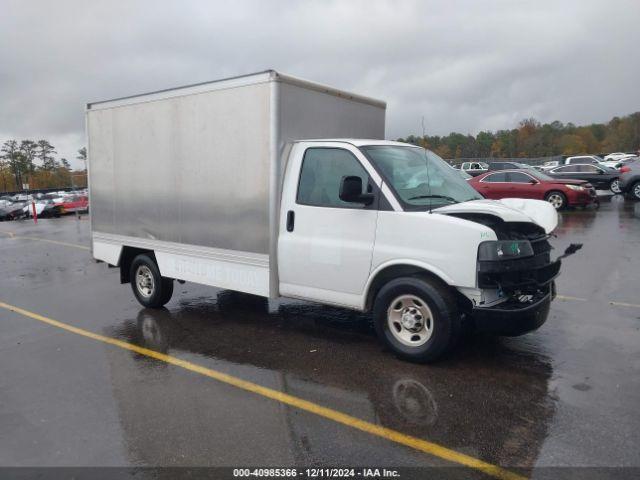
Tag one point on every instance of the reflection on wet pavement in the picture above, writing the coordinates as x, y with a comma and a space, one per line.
330, 356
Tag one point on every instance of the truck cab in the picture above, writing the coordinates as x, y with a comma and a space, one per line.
390, 228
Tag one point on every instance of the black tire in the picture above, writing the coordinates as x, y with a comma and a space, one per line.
634, 191
614, 186
445, 318
555, 194
161, 290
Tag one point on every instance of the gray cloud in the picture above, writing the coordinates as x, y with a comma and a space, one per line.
465, 66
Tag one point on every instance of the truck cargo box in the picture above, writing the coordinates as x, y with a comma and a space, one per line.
196, 170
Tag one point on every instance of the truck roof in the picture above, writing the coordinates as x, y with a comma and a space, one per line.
231, 82
358, 142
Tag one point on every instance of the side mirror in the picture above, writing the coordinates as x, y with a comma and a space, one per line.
600, 172
532, 181
351, 191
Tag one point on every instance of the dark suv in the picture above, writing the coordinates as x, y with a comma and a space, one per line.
630, 180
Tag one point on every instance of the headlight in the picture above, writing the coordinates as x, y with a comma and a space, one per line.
504, 250
575, 187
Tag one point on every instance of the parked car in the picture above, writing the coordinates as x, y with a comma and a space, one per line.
10, 210
592, 160
73, 203
617, 156
601, 178
534, 185
549, 165
474, 168
630, 180
5, 213
46, 207
581, 159
22, 197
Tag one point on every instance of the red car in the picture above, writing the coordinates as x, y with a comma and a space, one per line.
75, 203
530, 183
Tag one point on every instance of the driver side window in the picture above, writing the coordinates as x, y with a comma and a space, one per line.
321, 175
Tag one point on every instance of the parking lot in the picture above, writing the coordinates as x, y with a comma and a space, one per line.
220, 379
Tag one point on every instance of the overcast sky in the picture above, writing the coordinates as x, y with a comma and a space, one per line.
465, 66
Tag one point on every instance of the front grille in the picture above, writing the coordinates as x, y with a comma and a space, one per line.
531, 275
534, 271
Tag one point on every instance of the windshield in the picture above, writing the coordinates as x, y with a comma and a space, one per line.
420, 177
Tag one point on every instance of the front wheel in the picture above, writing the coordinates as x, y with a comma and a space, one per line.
417, 319
615, 186
557, 199
150, 288
634, 191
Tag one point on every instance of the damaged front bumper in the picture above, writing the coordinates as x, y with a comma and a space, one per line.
522, 291
516, 315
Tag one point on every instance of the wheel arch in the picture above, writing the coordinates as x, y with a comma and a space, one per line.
399, 268
552, 190
126, 258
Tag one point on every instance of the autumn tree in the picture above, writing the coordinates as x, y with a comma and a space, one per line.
533, 139
29, 150
15, 161
45, 152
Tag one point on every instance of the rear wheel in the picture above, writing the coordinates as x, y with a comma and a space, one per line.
615, 186
416, 318
557, 199
150, 288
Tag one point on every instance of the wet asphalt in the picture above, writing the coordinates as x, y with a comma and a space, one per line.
565, 395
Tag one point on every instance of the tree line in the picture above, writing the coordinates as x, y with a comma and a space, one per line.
33, 163
533, 139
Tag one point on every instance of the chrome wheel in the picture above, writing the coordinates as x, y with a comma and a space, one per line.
410, 320
556, 200
615, 186
636, 190
144, 281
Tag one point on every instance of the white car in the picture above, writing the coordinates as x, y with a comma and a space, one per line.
582, 159
549, 165
617, 156
591, 160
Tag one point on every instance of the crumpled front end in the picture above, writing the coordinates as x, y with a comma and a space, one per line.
515, 277
521, 280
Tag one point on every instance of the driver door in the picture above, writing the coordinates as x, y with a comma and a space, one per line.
325, 244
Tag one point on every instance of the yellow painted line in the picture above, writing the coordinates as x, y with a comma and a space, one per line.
622, 304
47, 240
565, 297
328, 413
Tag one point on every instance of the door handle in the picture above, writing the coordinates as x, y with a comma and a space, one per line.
291, 219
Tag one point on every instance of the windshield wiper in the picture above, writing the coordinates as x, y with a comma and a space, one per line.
418, 197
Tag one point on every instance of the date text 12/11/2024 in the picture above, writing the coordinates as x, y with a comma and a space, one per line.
316, 472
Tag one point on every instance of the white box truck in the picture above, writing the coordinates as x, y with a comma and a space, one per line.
276, 186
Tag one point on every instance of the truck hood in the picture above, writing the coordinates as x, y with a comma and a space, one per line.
510, 210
